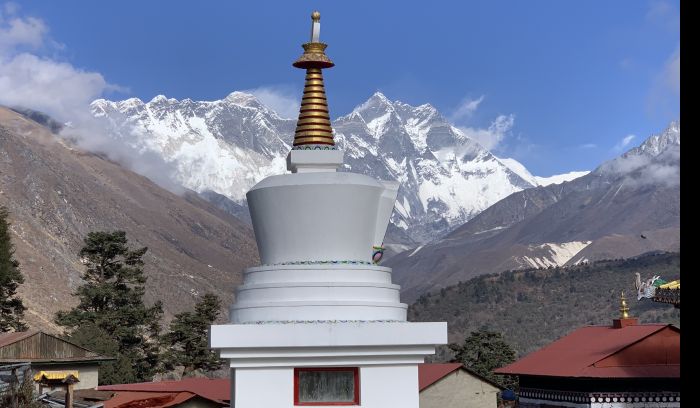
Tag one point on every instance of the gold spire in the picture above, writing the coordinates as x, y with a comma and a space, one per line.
624, 310
314, 123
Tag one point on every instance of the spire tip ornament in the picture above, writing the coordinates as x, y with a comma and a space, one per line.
624, 310
314, 123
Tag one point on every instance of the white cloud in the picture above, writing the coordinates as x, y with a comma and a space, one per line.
624, 143
282, 99
30, 80
56, 88
466, 109
588, 146
491, 137
641, 169
18, 32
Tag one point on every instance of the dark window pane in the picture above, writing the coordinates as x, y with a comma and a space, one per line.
326, 386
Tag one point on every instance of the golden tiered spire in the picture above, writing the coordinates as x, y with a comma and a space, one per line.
314, 123
624, 310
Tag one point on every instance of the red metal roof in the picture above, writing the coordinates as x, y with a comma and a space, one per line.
218, 389
129, 399
428, 374
635, 351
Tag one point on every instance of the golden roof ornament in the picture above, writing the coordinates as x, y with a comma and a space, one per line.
624, 310
314, 123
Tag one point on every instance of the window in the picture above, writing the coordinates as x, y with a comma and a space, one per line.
326, 386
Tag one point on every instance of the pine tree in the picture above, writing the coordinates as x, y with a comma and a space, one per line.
111, 317
484, 351
186, 341
11, 307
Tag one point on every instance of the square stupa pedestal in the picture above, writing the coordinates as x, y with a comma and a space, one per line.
263, 358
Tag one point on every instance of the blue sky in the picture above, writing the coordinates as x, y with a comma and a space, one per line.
558, 85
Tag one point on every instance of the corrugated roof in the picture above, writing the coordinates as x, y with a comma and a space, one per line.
128, 399
14, 337
46, 348
429, 374
605, 352
218, 389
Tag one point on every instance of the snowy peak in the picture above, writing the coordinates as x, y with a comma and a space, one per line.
657, 144
228, 145
656, 160
243, 99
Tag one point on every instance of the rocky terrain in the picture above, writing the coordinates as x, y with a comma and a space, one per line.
627, 206
57, 193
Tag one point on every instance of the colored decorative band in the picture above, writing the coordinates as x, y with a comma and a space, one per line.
321, 263
320, 321
314, 147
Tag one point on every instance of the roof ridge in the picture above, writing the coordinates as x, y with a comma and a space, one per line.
663, 326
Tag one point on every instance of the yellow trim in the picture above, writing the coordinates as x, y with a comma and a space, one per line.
676, 284
55, 375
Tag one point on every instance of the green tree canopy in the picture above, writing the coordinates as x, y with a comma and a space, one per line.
11, 307
186, 341
484, 351
111, 316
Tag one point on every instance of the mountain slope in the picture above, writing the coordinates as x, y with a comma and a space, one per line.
627, 206
56, 194
227, 146
535, 307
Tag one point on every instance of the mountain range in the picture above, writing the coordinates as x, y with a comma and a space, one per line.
461, 212
627, 206
224, 147
56, 193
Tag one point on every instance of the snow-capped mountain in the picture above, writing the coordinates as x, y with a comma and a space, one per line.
518, 167
627, 206
227, 146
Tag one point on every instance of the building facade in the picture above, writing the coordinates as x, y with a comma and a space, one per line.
452, 385
48, 353
626, 365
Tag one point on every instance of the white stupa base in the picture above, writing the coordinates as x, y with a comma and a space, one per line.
317, 292
263, 358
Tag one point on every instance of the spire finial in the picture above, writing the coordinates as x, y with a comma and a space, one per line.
315, 27
624, 310
314, 125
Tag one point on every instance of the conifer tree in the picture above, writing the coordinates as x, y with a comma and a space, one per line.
484, 351
11, 306
186, 341
111, 317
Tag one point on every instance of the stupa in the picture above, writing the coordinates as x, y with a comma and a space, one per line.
319, 322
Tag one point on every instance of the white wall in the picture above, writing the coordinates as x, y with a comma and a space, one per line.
459, 389
380, 387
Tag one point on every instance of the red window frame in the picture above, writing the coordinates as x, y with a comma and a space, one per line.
356, 379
